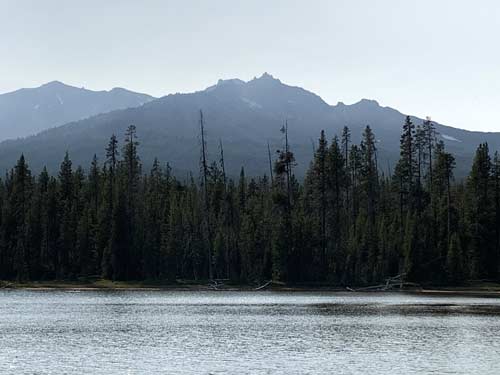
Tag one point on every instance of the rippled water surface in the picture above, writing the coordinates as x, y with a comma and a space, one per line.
153, 332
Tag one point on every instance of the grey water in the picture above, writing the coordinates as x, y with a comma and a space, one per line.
172, 332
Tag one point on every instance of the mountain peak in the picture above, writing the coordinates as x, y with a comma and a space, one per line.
30, 110
233, 81
54, 84
120, 90
246, 114
266, 77
368, 103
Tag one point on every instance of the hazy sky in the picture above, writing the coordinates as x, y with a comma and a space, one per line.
438, 58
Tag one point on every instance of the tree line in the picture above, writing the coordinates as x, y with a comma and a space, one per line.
346, 223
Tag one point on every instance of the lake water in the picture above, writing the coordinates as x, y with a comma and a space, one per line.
160, 332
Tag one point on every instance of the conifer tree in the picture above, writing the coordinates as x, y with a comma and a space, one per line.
20, 203
67, 222
496, 197
346, 224
319, 191
406, 168
480, 215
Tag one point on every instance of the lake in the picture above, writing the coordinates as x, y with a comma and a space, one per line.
175, 332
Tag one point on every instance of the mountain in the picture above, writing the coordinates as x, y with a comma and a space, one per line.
244, 116
28, 111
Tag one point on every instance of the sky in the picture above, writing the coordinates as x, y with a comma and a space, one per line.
425, 58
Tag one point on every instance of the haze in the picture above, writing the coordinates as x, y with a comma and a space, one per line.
425, 58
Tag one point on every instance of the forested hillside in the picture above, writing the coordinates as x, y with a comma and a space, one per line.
246, 116
346, 224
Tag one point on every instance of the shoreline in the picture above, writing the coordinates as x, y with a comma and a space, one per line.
480, 289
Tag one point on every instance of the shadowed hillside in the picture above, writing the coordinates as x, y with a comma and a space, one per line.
245, 116
28, 111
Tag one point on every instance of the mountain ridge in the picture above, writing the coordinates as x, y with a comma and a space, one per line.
27, 111
245, 116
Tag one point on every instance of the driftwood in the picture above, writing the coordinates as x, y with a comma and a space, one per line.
396, 282
264, 286
5, 284
215, 284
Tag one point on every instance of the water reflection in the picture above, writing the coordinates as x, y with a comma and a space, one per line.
246, 333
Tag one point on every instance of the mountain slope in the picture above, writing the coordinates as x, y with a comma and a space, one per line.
28, 111
245, 116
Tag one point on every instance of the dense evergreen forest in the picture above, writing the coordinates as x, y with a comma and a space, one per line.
347, 223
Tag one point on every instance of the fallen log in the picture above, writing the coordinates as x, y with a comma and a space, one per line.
385, 287
264, 285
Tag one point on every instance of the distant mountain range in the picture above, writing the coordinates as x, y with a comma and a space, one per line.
243, 115
28, 111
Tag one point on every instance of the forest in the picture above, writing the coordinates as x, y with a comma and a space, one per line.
348, 222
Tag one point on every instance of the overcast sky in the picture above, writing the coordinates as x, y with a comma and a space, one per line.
437, 58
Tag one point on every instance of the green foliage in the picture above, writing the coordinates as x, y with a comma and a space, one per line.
345, 224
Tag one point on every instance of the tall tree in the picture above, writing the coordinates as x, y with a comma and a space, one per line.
67, 219
19, 202
480, 214
206, 198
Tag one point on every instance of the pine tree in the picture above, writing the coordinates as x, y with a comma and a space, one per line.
19, 202
130, 168
406, 168
112, 157
369, 172
318, 181
154, 209
282, 197
346, 139
336, 181
444, 165
66, 245
480, 215
496, 197
347, 223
